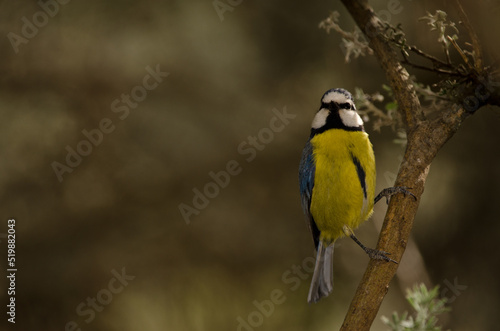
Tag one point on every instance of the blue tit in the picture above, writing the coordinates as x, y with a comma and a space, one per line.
337, 183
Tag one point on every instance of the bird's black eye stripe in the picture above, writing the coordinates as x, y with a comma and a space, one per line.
345, 105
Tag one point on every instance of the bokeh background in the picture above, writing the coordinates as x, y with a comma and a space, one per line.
119, 208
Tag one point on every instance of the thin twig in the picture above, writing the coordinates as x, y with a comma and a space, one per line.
434, 69
447, 52
433, 59
460, 51
476, 45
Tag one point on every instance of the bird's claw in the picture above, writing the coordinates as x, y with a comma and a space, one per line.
379, 255
390, 191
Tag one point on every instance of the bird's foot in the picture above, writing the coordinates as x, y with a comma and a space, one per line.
378, 255
390, 191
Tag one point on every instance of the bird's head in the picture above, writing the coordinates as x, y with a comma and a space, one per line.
337, 111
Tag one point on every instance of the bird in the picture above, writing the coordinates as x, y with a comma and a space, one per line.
337, 183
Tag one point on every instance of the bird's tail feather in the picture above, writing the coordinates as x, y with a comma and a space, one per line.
322, 280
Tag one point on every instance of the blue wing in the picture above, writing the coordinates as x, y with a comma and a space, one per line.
307, 169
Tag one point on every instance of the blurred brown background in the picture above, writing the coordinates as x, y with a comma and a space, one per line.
118, 210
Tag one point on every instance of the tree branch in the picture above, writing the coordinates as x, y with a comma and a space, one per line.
425, 139
396, 74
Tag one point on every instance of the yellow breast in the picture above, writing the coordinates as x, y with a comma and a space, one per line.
338, 197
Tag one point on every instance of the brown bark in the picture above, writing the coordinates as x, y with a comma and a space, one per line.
425, 139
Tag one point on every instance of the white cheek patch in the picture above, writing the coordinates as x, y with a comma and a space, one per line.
350, 118
336, 97
320, 118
